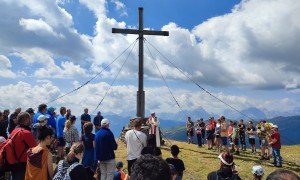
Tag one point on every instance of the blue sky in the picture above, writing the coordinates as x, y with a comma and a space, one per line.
244, 52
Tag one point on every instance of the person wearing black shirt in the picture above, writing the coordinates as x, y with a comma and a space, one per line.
97, 121
13, 120
85, 117
4, 123
178, 163
242, 129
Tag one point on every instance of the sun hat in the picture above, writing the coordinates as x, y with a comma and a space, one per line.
42, 118
104, 122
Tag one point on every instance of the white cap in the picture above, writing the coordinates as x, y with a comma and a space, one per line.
153, 112
275, 126
258, 170
104, 122
42, 117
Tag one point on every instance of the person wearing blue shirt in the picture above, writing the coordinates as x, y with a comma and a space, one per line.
51, 120
105, 144
42, 109
60, 124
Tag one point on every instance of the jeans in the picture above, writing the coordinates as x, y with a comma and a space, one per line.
107, 169
243, 140
276, 156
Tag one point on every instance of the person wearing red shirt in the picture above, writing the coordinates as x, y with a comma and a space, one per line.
276, 145
23, 141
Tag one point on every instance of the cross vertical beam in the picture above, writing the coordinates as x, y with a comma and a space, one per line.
140, 110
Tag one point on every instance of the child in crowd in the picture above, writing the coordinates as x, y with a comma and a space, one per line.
42, 121
88, 139
178, 163
119, 174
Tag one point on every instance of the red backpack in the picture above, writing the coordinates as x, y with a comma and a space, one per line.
8, 156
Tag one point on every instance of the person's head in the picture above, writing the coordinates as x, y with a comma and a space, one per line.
201, 119
42, 108
31, 112
231, 122
105, 123
77, 150
69, 111
275, 128
71, 121
150, 167
51, 110
45, 135
23, 118
62, 110
219, 120
222, 118
234, 124
153, 114
86, 110
250, 123
42, 120
282, 174
174, 150
257, 172
241, 121
189, 119
226, 160
119, 165
98, 113
88, 128
137, 123
6, 112
18, 110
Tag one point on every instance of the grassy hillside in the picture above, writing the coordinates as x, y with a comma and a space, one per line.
200, 161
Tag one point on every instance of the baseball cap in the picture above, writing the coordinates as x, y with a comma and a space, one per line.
258, 170
104, 122
275, 126
42, 117
51, 109
119, 164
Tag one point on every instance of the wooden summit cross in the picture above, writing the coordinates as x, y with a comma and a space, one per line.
140, 111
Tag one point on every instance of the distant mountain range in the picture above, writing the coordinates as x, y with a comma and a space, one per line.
289, 128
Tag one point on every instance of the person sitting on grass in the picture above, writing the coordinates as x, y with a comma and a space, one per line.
178, 163
258, 172
227, 168
119, 174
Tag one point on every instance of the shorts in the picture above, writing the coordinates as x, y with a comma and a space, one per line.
252, 141
61, 142
224, 141
218, 136
264, 142
236, 141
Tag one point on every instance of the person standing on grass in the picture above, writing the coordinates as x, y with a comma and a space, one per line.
251, 131
88, 139
190, 130
105, 144
242, 130
276, 146
97, 121
70, 133
198, 133
224, 133
135, 142
203, 126
235, 138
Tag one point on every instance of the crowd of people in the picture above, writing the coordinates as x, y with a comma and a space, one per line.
32, 139
233, 135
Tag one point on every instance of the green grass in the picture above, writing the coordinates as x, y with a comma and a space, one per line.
200, 161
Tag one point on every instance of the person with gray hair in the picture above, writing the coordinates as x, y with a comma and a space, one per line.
105, 144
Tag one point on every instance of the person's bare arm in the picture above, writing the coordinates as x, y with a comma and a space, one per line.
50, 165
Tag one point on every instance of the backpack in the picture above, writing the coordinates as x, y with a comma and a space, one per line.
8, 156
63, 173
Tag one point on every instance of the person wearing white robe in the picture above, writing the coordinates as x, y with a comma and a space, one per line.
154, 128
